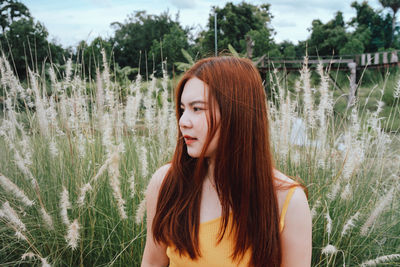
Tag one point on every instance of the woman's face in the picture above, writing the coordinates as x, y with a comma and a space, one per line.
195, 113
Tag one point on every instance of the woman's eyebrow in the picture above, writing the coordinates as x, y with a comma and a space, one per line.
195, 102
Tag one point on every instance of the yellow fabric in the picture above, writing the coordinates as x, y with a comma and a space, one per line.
218, 255
285, 207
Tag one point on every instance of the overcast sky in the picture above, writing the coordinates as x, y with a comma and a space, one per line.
71, 21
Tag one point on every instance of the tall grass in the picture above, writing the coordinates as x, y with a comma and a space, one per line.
75, 163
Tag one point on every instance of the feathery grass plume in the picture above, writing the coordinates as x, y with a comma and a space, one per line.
53, 78
350, 223
329, 250
31, 256
26, 149
143, 159
64, 206
72, 236
106, 78
381, 259
40, 107
107, 134
314, 208
113, 170
148, 103
68, 71
23, 168
53, 148
334, 191
325, 107
133, 103
46, 218
8, 79
102, 169
8, 213
380, 207
98, 108
20, 236
15, 190
305, 77
346, 193
140, 211
81, 198
355, 152
45, 262
284, 127
132, 183
396, 92
51, 113
328, 224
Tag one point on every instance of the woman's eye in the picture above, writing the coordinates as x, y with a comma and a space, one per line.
198, 108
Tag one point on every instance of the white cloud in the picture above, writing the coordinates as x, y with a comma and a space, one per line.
183, 4
75, 20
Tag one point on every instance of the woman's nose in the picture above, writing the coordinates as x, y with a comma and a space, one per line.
185, 121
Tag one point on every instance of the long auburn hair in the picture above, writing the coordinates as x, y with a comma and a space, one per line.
243, 172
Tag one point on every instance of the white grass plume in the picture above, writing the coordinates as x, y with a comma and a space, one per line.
64, 206
8, 213
46, 218
350, 223
140, 211
143, 159
15, 190
82, 195
115, 184
132, 183
328, 223
102, 169
40, 107
334, 191
329, 250
72, 236
30, 256
346, 193
20, 236
382, 259
379, 208
314, 208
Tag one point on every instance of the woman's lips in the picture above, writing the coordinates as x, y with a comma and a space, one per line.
189, 139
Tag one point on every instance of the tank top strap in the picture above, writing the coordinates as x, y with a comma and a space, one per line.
285, 207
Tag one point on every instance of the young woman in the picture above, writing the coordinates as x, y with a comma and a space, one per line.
220, 202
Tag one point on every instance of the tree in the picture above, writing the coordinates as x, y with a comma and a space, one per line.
24, 41
329, 38
234, 23
10, 10
142, 34
169, 46
394, 5
372, 27
90, 55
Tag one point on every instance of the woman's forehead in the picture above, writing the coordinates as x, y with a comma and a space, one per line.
194, 90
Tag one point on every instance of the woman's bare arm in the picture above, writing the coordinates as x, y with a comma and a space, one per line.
296, 237
154, 254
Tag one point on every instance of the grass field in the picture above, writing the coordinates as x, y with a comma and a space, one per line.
75, 162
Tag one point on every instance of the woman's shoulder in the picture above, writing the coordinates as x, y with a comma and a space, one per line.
284, 185
156, 180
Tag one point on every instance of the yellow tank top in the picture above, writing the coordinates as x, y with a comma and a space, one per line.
218, 255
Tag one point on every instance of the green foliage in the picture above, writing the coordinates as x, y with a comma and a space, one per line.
24, 41
329, 38
169, 47
234, 23
143, 34
376, 23
89, 55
